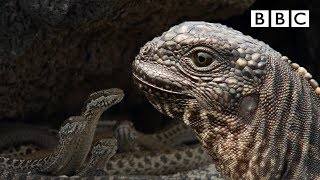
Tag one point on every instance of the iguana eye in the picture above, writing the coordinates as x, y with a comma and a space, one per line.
202, 59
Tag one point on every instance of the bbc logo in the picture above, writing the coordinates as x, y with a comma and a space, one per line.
280, 18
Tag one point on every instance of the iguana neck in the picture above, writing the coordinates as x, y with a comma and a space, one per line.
281, 136
286, 123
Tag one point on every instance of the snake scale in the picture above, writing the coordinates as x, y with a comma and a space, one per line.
76, 135
75, 138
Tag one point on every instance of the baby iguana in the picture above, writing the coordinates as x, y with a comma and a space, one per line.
256, 112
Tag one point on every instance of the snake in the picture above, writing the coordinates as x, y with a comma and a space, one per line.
75, 138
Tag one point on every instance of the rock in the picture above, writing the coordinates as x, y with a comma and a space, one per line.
54, 53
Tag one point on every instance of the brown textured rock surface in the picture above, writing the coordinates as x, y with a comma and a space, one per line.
54, 53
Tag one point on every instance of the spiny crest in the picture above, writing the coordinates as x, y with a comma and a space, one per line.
304, 73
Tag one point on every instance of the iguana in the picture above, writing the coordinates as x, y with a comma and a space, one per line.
256, 113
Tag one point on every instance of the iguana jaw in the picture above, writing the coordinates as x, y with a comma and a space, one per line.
157, 87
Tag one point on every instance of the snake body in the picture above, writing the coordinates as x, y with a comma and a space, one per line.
76, 135
52, 163
96, 104
159, 155
19, 140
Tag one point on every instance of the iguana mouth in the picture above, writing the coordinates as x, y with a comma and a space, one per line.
160, 89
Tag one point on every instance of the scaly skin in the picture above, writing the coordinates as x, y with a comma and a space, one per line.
18, 140
159, 154
255, 112
66, 159
96, 104
131, 140
154, 154
148, 158
53, 163
13, 133
160, 162
146, 163
99, 168
75, 140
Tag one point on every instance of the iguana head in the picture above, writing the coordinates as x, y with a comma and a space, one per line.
218, 81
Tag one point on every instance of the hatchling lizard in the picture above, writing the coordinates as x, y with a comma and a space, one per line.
256, 113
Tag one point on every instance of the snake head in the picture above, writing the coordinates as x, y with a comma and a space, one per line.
99, 101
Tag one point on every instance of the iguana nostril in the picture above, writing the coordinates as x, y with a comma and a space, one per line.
145, 50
